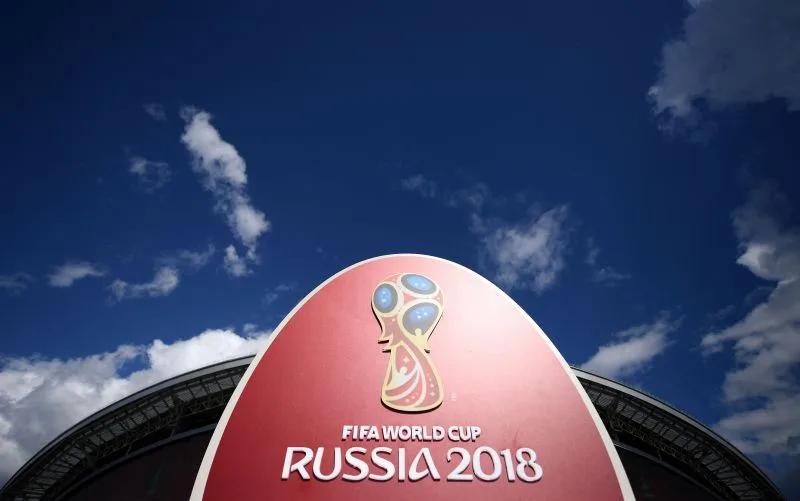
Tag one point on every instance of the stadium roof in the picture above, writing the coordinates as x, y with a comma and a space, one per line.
195, 400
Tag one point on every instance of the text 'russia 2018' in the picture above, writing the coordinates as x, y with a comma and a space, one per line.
381, 464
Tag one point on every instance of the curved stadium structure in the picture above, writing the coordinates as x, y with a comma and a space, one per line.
149, 446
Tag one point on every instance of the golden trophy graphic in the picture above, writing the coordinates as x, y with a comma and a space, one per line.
408, 307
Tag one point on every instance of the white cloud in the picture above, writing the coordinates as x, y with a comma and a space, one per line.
609, 276
193, 260
527, 255
165, 281
68, 273
605, 275
273, 294
419, 184
234, 264
722, 313
167, 275
762, 389
224, 173
633, 350
156, 111
152, 175
731, 52
475, 197
16, 282
42, 397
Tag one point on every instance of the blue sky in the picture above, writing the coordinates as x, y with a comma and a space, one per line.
177, 177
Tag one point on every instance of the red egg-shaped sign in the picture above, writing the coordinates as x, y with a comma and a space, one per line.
410, 377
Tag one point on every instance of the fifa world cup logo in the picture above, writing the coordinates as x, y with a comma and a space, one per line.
408, 307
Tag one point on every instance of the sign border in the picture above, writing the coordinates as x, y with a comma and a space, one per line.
199, 487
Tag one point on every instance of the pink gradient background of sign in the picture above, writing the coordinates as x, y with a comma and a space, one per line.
325, 369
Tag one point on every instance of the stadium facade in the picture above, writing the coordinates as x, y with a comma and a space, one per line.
149, 446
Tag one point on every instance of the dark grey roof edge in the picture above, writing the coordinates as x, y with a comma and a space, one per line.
150, 390
680, 415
